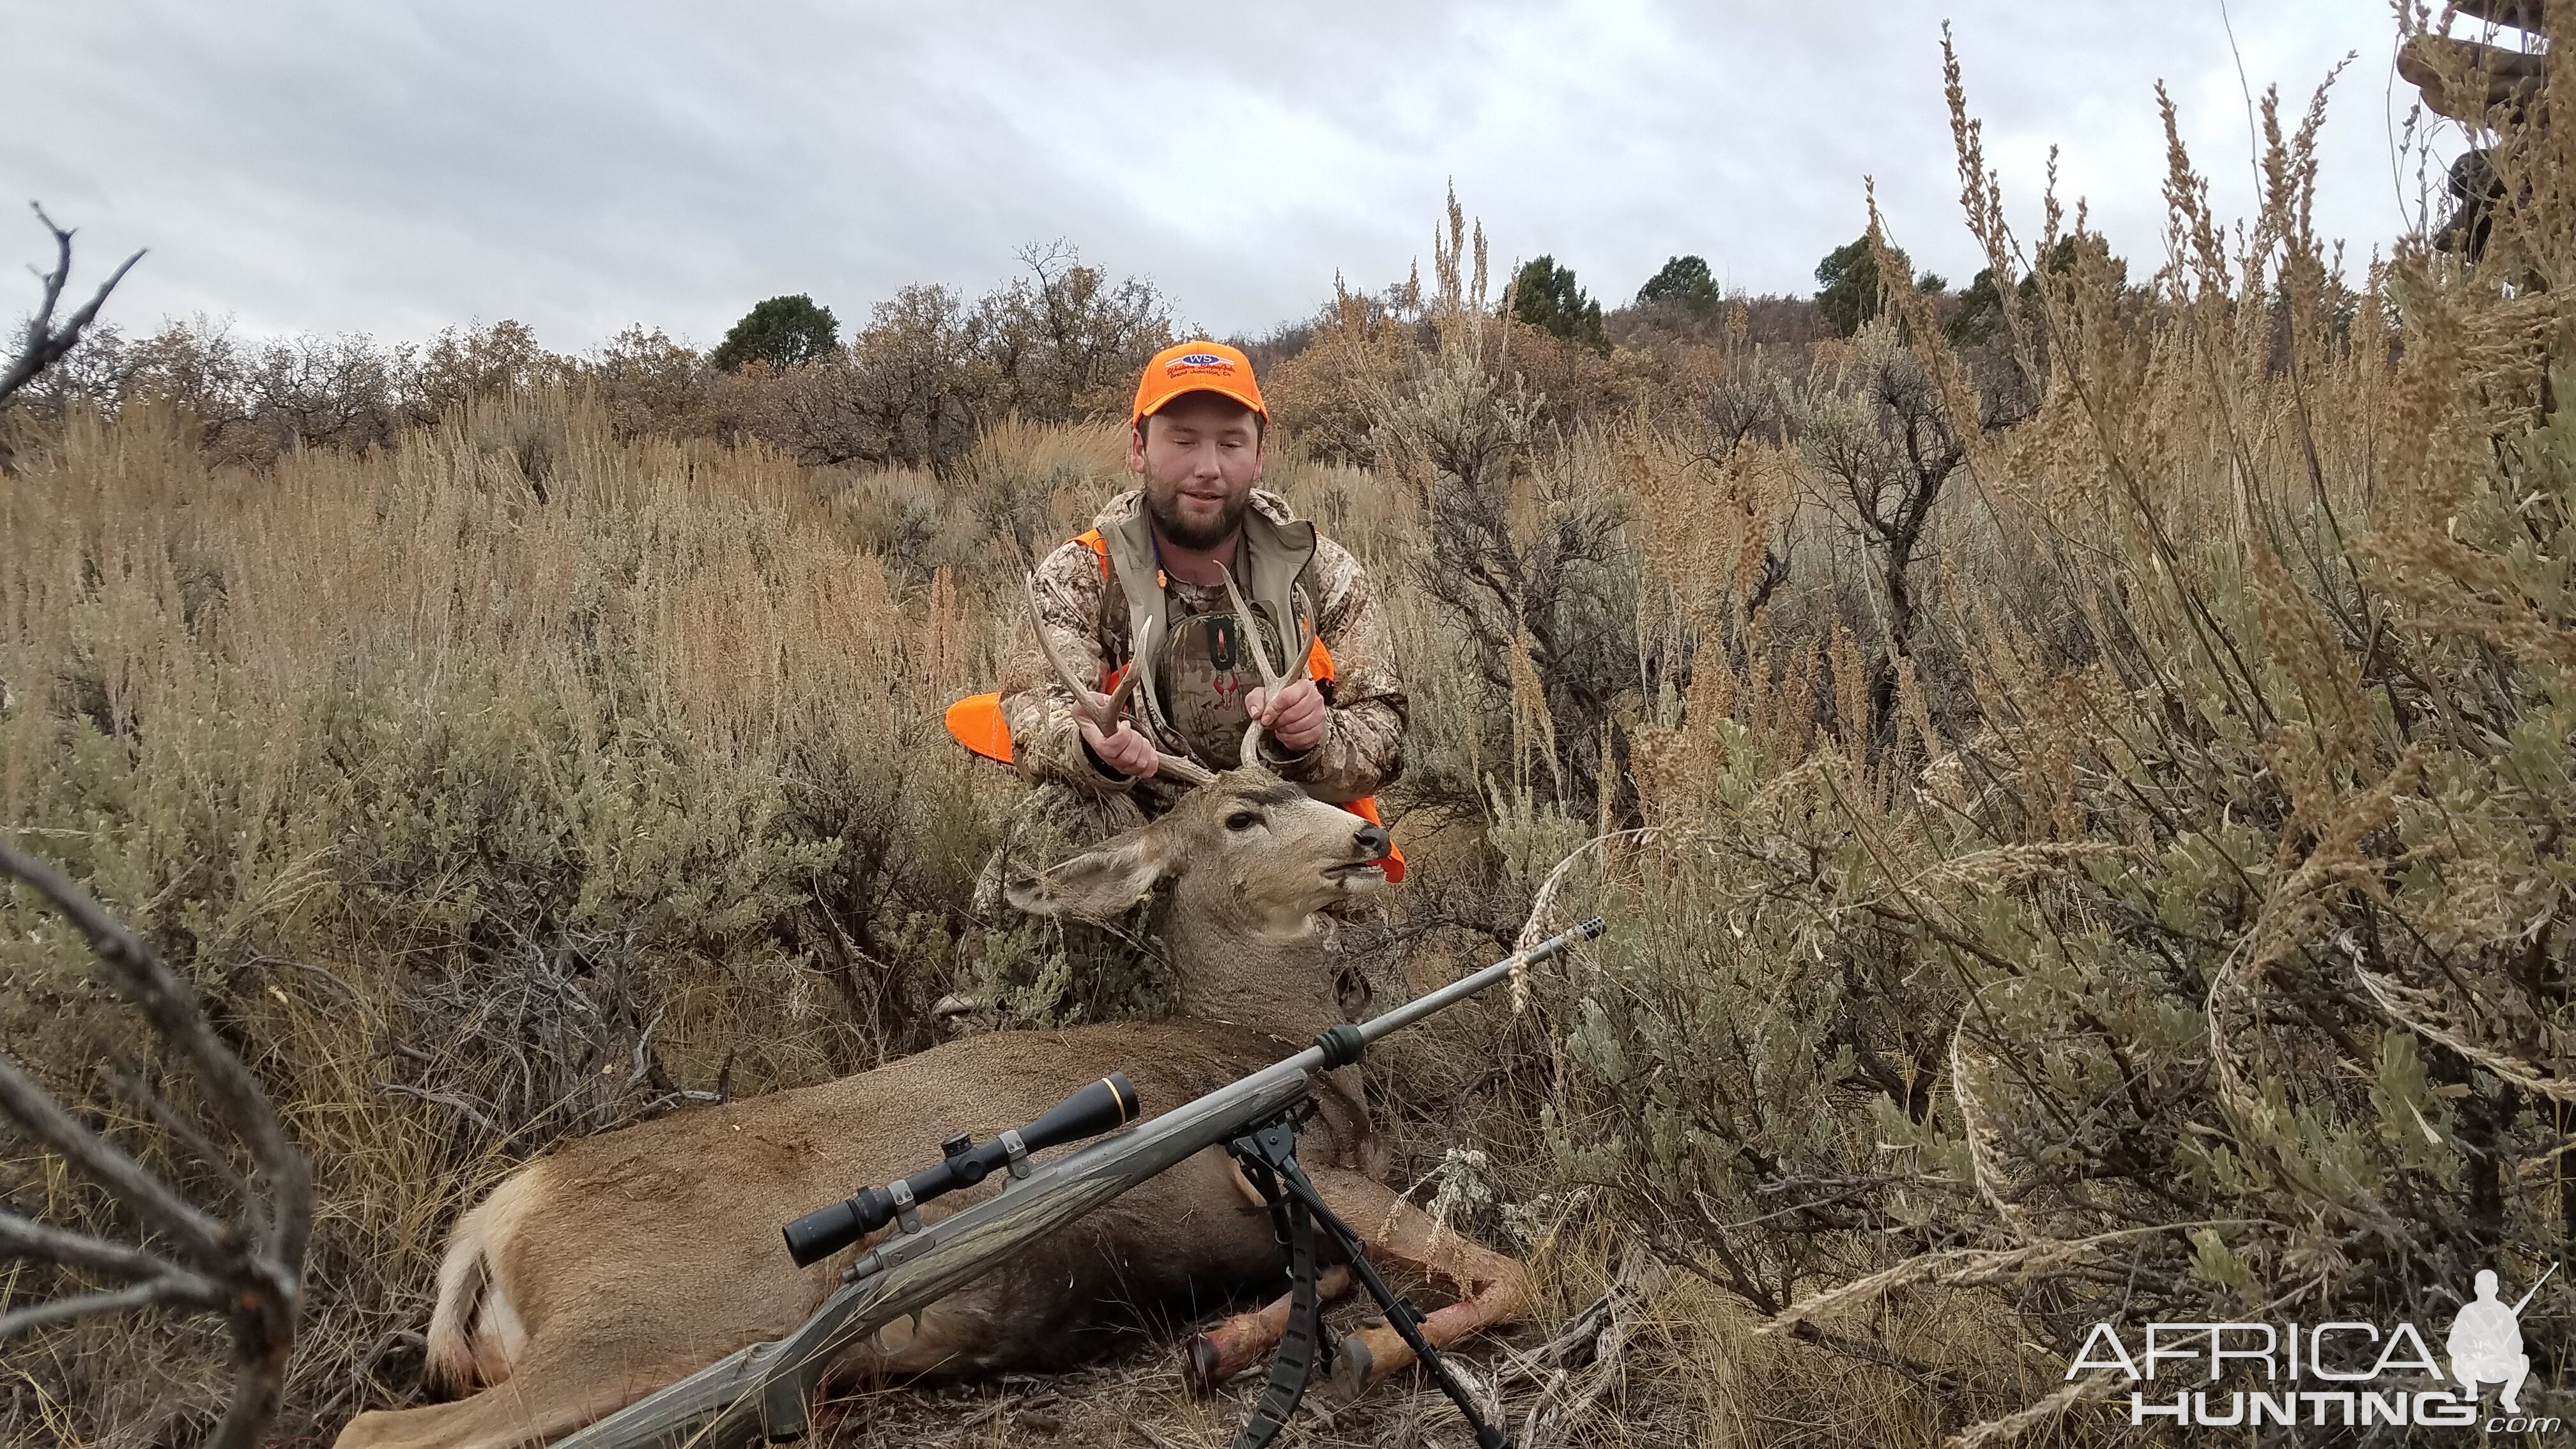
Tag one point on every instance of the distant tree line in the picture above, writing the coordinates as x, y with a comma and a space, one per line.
930, 367
912, 387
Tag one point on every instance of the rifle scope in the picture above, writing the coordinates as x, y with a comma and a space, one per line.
1105, 1104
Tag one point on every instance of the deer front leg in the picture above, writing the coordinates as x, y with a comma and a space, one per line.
1493, 1288
1236, 1343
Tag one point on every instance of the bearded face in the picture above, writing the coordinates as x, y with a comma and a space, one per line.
1196, 520
1198, 459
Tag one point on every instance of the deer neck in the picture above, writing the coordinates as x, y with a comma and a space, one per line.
1270, 976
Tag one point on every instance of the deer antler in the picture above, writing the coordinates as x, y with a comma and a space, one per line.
1272, 680
1106, 710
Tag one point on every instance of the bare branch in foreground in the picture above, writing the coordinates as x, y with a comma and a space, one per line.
249, 1269
46, 343
27, 1238
188, 1291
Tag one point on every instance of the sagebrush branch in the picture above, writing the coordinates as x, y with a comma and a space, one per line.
157, 1203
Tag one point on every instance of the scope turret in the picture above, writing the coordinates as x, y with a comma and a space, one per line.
1100, 1107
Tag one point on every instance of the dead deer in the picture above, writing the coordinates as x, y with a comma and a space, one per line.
622, 1262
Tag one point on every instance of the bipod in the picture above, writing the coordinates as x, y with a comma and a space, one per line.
1268, 1156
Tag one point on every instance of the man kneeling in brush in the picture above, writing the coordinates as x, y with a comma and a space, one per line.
1153, 567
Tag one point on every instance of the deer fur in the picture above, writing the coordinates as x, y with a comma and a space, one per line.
621, 1262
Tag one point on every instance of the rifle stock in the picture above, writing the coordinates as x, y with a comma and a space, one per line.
763, 1392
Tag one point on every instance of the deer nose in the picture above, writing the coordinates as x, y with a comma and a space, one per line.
1373, 839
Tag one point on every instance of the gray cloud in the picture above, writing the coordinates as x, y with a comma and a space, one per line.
399, 168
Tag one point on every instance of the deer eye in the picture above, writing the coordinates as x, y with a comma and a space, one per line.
1242, 820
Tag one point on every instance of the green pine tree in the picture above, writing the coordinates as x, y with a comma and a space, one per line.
1685, 280
781, 332
1546, 295
1850, 276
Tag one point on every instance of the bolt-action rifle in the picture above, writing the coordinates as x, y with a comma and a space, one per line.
763, 1392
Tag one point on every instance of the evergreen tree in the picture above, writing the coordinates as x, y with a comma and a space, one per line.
1546, 295
1850, 276
1980, 314
1685, 280
781, 332
1981, 307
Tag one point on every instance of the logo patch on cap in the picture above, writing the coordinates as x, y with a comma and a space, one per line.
1189, 362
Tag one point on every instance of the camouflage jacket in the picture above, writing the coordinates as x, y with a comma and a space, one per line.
1089, 614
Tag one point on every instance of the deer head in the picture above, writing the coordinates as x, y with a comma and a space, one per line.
1249, 860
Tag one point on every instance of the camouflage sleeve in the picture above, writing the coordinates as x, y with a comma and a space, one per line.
1045, 742
1362, 750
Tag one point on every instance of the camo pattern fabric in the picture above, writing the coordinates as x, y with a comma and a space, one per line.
1363, 745
1206, 671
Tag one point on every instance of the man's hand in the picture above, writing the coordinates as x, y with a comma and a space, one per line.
1126, 751
1296, 719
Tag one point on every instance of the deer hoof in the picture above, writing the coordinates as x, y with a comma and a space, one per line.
1363, 1357
1200, 1365
1351, 1363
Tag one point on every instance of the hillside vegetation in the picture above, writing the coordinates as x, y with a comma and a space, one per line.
2082, 810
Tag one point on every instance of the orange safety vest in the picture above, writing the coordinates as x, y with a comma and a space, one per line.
977, 721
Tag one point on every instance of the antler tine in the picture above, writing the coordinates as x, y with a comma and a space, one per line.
1136, 651
1270, 681
1102, 708
1270, 678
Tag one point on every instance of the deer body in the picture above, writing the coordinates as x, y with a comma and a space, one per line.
619, 1263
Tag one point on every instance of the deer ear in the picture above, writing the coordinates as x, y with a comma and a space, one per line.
1102, 881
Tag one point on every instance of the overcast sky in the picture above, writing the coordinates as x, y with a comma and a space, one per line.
396, 168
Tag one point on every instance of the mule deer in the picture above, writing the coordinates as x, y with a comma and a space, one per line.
594, 1276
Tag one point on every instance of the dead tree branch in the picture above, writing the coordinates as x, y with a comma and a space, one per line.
248, 1270
46, 343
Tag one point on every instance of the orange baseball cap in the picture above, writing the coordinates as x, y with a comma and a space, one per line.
1200, 366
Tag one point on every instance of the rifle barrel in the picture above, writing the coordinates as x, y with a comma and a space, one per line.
1450, 995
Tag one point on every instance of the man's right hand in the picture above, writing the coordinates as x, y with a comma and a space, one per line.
1126, 751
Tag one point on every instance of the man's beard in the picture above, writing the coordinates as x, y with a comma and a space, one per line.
1165, 510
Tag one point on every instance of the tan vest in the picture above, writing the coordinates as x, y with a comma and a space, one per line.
1196, 677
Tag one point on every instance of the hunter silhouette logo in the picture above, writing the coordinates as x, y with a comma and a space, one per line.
2338, 1374
2486, 1342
